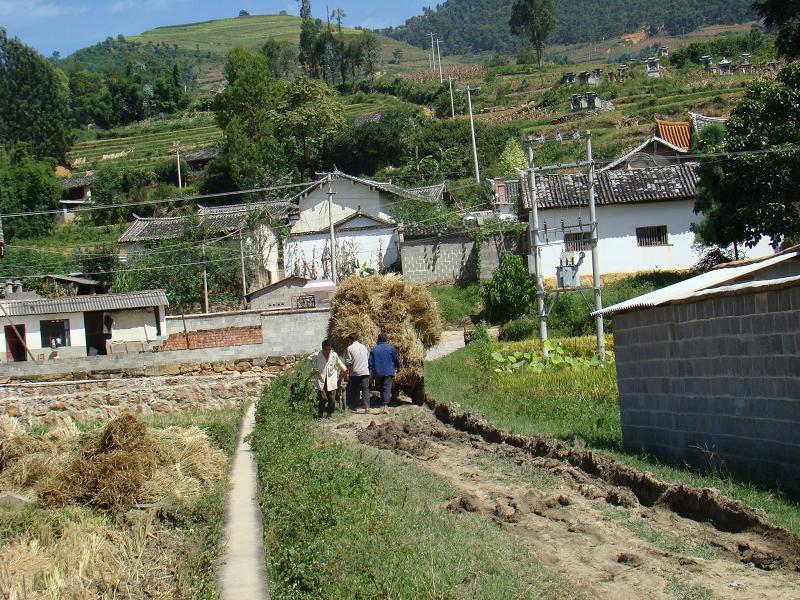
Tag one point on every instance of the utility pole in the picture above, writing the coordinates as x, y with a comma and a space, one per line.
244, 270
470, 89
333, 231
433, 54
452, 100
439, 51
205, 280
178, 154
596, 285
535, 261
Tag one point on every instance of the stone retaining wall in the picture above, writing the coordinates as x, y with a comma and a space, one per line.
157, 389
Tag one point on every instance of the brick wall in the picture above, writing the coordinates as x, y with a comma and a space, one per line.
452, 258
213, 338
715, 383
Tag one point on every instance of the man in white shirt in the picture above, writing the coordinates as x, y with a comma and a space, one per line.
326, 365
357, 359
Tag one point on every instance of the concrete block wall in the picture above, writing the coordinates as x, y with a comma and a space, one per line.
715, 383
452, 258
292, 332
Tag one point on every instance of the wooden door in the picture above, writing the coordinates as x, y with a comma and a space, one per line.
15, 349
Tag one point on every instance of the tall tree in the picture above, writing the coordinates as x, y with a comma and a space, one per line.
89, 98
748, 196
785, 15
308, 40
34, 104
281, 56
27, 185
533, 19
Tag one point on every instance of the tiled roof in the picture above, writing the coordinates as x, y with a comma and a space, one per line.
642, 149
432, 193
75, 182
218, 219
676, 133
201, 155
675, 182
700, 122
98, 302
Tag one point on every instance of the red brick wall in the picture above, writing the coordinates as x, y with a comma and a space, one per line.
214, 338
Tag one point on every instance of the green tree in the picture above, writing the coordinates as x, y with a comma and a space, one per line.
122, 185
281, 56
33, 100
511, 291
27, 185
512, 158
308, 40
785, 15
533, 19
307, 119
745, 197
89, 98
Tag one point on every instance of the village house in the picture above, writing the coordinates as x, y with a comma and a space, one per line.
646, 218
244, 226
366, 234
42, 329
707, 370
77, 193
296, 293
668, 145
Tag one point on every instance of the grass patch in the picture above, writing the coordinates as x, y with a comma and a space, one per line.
685, 590
578, 405
659, 538
457, 302
347, 523
506, 469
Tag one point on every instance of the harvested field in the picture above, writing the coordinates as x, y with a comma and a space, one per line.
113, 511
612, 531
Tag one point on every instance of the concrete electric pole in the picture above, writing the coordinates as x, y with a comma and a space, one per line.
535, 260
471, 89
333, 231
452, 99
596, 284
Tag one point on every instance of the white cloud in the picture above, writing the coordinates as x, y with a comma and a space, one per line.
38, 9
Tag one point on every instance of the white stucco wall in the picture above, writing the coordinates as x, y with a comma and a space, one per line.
136, 325
368, 246
619, 252
350, 197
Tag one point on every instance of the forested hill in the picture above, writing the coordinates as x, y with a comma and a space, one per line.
480, 25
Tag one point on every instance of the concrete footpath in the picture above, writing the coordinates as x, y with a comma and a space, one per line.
243, 574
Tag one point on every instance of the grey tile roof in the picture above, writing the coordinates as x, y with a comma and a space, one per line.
98, 302
674, 182
430, 193
76, 182
201, 155
218, 219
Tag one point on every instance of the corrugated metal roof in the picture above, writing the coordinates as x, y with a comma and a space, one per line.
690, 287
677, 133
98, 302
656, 184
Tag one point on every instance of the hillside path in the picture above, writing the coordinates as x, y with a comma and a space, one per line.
243, 573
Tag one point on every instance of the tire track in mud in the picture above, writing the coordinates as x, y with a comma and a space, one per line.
582, 527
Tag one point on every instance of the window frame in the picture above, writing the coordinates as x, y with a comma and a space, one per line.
580, 242
649, 236
67, 337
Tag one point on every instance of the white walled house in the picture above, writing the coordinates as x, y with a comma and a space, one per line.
645, 219
361, 240
360, 209
79, 326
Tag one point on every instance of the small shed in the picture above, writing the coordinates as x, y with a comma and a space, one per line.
287, 293
76, 326
708, 370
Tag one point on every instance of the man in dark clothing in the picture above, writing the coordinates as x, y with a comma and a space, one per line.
383, 362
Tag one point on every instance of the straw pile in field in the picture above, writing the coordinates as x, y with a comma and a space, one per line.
405, 312
111, 468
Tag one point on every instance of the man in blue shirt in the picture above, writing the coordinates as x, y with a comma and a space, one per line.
383, 362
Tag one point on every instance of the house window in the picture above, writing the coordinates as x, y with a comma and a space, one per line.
55, 331
577, 242
652, 236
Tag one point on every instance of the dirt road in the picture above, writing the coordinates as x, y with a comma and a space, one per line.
596, 534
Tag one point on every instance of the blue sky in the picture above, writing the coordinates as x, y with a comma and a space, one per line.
49, 25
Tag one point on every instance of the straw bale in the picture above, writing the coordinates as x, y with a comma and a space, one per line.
385, 303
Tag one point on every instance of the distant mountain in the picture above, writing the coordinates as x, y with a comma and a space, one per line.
482, 25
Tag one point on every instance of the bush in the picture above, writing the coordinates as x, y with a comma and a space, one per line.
511, 291
520, 329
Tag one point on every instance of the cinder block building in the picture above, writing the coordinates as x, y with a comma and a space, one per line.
709, 370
